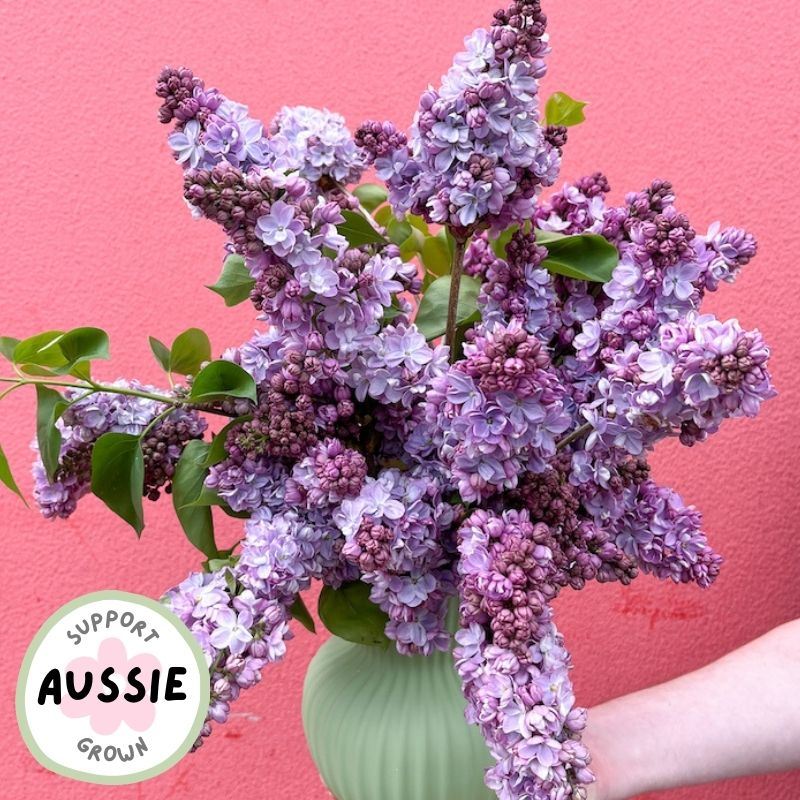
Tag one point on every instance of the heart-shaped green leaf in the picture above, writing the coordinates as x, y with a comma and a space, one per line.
561, 109
585, 257
189, 350
221, 379
7, 478
235, 281
348, 613
370, 195
358, 231
187, 484
118, 476
84, 344
431, 316
40, 354
59, 353
49, 406
436, 254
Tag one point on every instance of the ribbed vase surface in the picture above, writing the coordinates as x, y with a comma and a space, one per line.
382, 726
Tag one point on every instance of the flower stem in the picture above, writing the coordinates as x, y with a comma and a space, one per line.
153, 422
17, 385
457, 268
91, 387
574, 436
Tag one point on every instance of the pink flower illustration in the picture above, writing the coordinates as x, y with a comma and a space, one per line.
105, 718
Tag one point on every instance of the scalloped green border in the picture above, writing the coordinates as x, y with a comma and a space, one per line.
177, 755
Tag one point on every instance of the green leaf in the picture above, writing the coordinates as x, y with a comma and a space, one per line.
59, 353
357, 230
216, 450
235, 281
419, 223
370, 195
221, 379
7, 345
40, 351
189, 350
83, 344
300, 612
436, 254
413, 245
118, 476
7, 478
432, 314
545, 238
383, 215
561, 109
161, 352
585, 257
399, 230
499, 244
187, 484
348, 613
49, 406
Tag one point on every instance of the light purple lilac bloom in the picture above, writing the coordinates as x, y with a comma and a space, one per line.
318, 143
396, 530
369, 457
477, 154
87, 417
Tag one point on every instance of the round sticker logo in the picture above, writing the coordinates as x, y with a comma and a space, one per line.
113, 689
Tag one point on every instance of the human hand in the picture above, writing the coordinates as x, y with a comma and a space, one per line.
737, 716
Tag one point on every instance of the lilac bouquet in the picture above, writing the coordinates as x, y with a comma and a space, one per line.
452, 394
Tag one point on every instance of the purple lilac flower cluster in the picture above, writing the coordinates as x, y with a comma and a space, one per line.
503, 477
658, 365
239, 633
240, 612
393, 534
510, 657
478, 153
526, 711
209, 127
328, 369
317, 144
89, 415
307, 278
496, 413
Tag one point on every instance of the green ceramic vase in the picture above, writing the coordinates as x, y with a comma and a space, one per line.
382, 726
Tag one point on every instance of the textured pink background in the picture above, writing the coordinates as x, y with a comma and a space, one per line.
96, 233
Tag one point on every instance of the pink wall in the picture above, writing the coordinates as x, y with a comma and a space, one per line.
97, 233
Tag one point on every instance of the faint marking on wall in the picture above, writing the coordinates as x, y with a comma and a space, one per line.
657, 609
